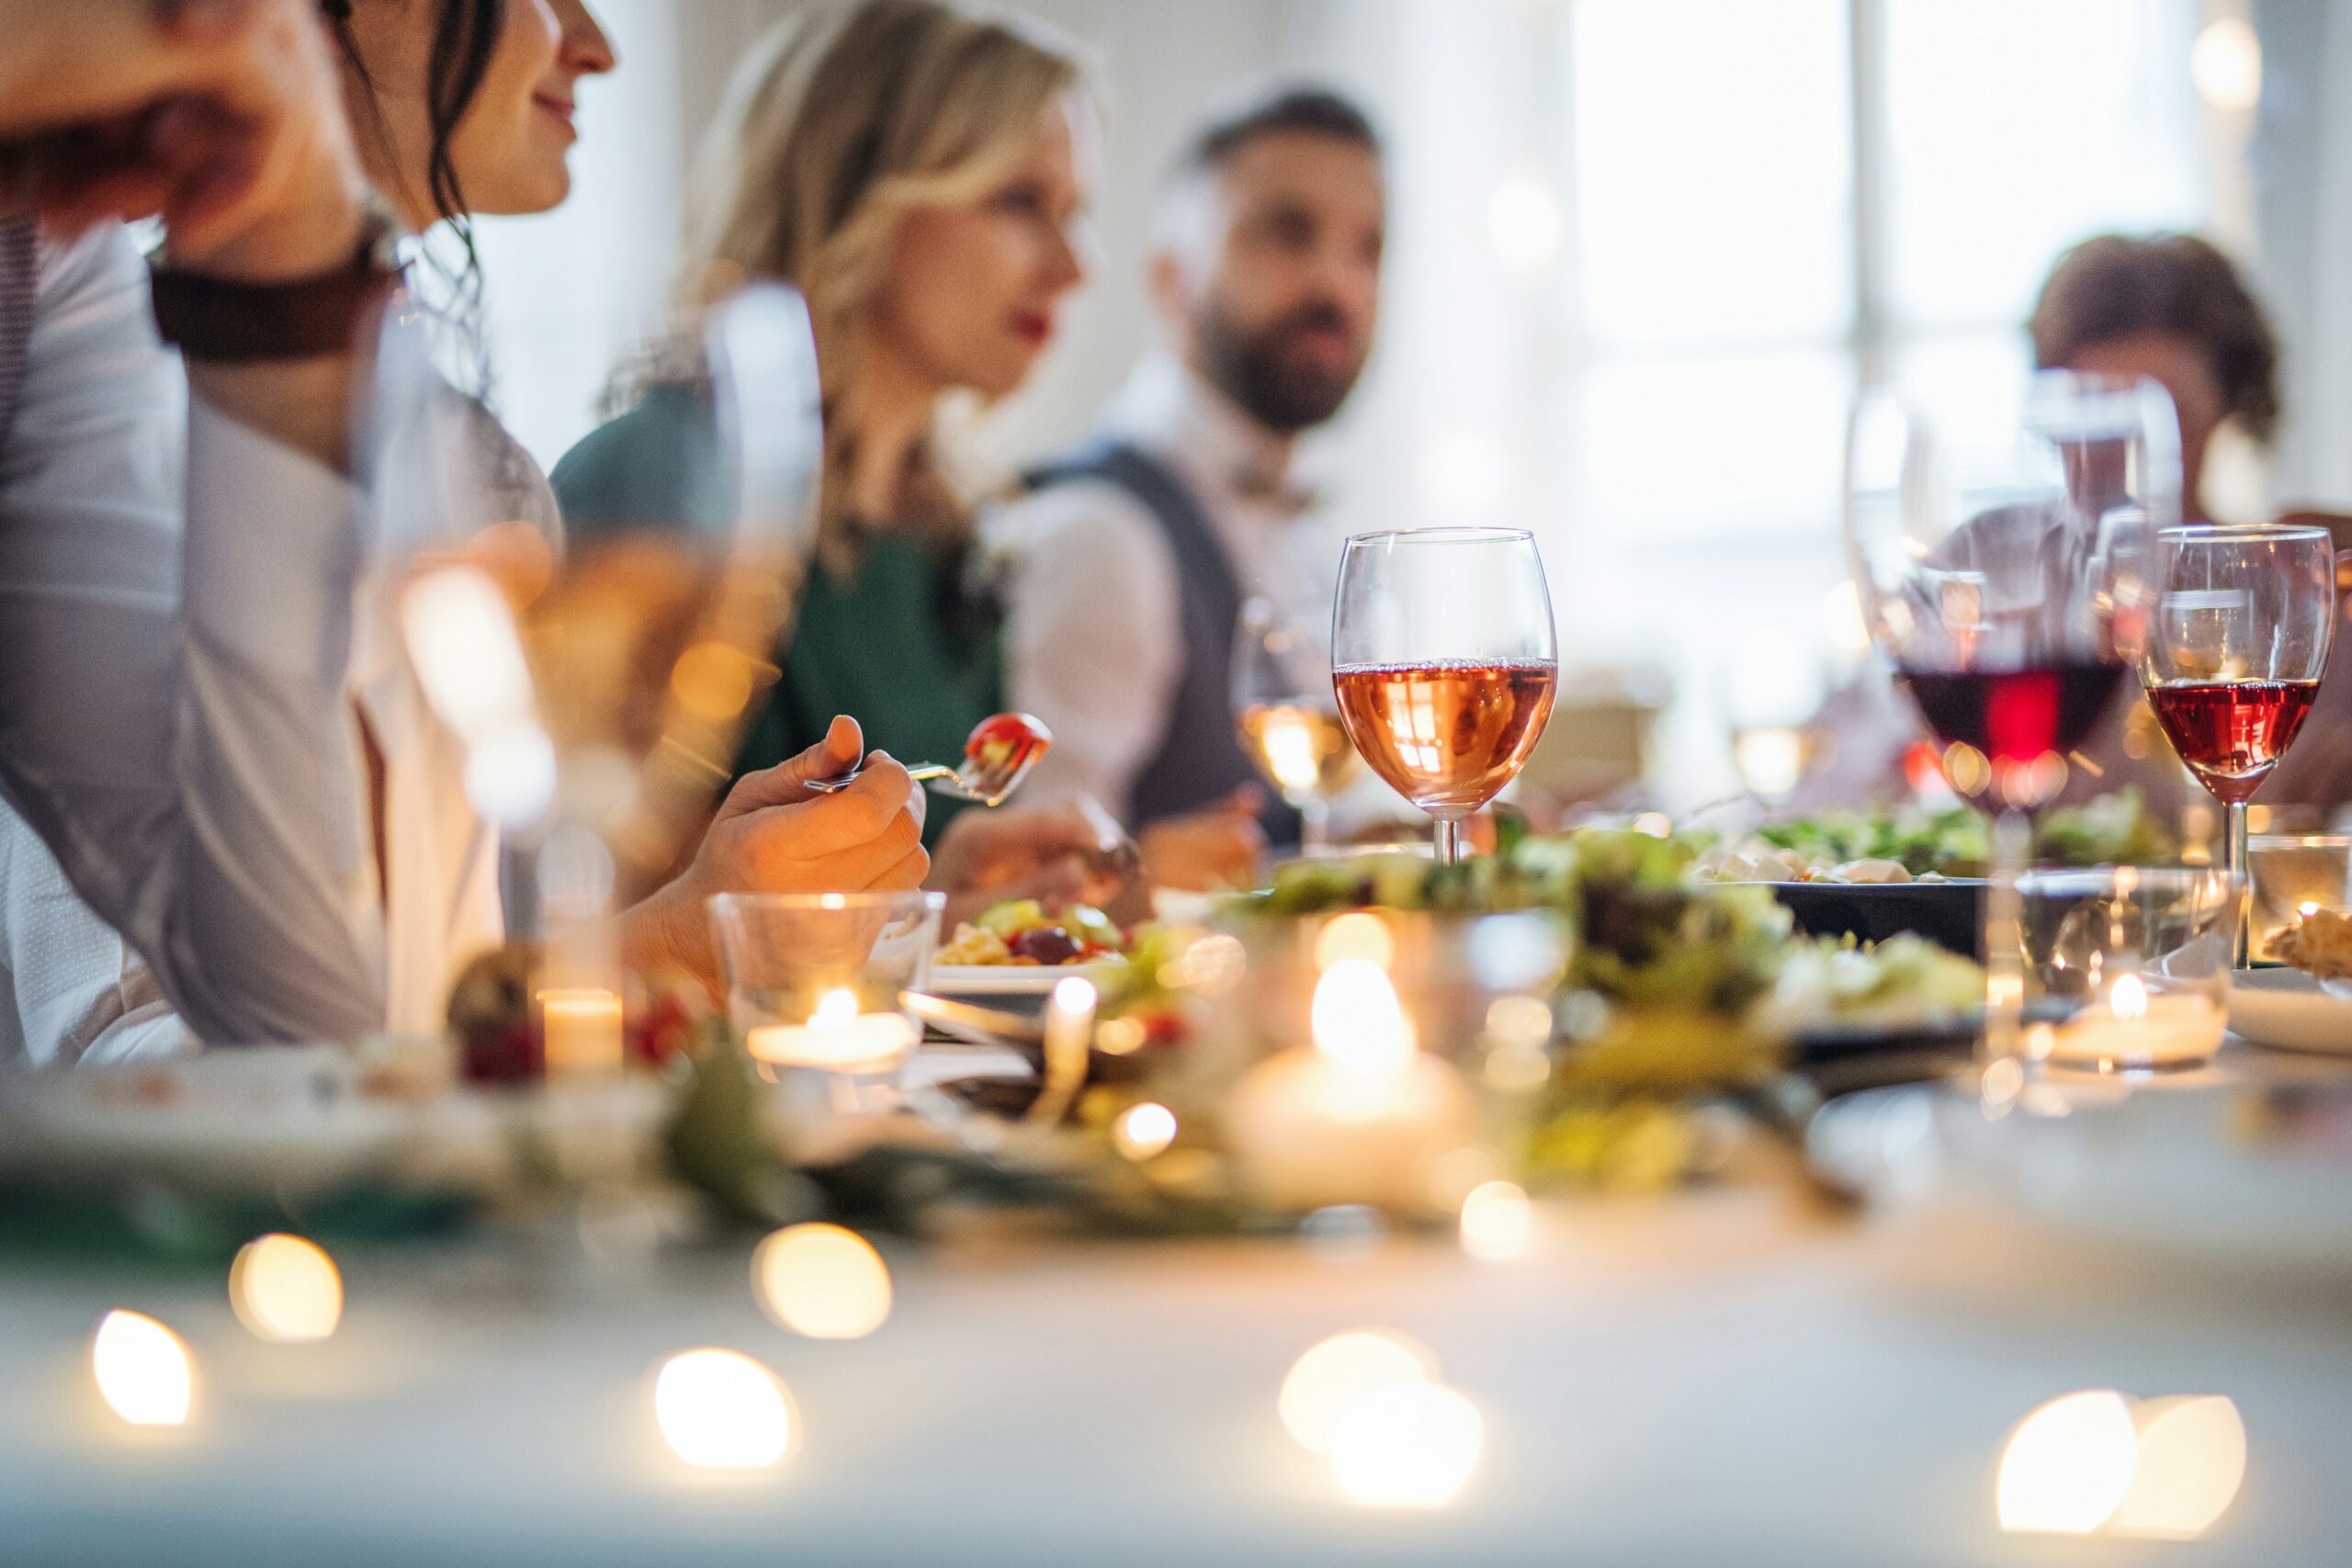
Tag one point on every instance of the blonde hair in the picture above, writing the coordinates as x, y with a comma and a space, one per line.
847, 118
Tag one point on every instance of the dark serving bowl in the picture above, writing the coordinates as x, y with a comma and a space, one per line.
1950, 914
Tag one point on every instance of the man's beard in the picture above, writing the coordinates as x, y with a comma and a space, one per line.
1257, 370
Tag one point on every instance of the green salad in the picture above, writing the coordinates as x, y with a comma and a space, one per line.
2113, 830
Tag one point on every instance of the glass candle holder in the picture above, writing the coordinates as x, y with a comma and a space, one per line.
1372, 1057
814, 983
2295, 874
2142, 953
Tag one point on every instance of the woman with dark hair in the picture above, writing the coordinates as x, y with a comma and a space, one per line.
456, 107
2171, 308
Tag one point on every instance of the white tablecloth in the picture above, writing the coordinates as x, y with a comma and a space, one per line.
1734, 1377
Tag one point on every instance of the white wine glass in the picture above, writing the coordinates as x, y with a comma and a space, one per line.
1445, 662
1286, 715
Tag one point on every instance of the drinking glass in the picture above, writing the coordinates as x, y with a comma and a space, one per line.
1287, 715
2244, 616
1445, 660
595, 693
2002, 565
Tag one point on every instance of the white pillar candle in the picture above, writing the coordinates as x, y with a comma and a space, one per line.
582, 1027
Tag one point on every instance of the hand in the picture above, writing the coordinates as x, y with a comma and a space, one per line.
1218, 846
224, 118
773, 835
1072, 853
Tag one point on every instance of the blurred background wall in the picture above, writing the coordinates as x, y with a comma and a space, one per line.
1643, 251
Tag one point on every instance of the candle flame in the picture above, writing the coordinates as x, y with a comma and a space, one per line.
837, 1009
2130, 997
2308, 907
1358, 1021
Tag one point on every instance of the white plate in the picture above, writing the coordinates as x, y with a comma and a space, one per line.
2288, 1008
1014, 979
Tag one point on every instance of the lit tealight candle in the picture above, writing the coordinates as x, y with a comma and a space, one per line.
1361, 1117
837, 1038
583, 1031
2137, 1028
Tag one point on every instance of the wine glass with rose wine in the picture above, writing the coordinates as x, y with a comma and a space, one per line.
2002, 563
1286, 715
2235, 655
1445, 660
595, 689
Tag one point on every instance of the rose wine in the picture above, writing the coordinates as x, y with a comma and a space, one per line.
2016, 715
1301, 750
2232, 733
1448, 734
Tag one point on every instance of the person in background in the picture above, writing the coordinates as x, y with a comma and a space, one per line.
1135, 556
219, 791
919, 175
2174, 308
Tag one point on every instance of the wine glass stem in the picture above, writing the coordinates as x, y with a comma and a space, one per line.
2012, 847
1449, 841
1314, 824
2233, 862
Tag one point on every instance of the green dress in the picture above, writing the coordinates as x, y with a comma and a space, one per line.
899, 643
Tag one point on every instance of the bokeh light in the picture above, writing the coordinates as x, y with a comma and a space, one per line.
1326, 1382
2191, 1463
822, 1281
1143, 1130
144, 1371
285, 1288
2068, 1465
1497, 1223
1355, 935
721, 1410
1412, 1446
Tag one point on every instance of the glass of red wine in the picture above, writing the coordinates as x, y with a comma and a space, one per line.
2233, 656
2004, 565
1445, 660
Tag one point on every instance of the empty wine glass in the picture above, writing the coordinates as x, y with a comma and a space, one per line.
1445, 662
595, 693
1287, 715
2244, 618
2002, 567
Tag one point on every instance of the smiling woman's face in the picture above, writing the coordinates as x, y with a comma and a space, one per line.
969, 297
510, 149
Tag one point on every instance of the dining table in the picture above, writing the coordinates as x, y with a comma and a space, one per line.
1748, 1370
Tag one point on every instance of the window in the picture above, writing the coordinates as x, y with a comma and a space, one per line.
1765, 204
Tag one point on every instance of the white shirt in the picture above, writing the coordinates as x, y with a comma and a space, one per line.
177, 718
1094, 641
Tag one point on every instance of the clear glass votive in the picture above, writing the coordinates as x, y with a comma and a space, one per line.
2142, 953
2295, 874
813, 987
1372, 1057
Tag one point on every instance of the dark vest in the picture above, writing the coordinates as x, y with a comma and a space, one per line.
19, 282
1199, 762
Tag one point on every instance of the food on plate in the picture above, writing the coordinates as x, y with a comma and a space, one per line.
1911, 844
1901, 981
2320, 944
1021, 934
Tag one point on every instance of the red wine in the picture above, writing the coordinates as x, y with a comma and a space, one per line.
1448, 735
2231, 733
2015, 716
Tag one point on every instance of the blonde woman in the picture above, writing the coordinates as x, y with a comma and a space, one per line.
919, 173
